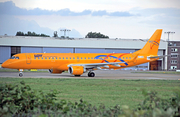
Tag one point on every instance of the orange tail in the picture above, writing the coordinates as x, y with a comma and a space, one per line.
151, 47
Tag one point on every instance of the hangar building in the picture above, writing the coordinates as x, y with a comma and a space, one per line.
10, 45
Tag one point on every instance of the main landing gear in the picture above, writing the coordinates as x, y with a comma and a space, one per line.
91, 74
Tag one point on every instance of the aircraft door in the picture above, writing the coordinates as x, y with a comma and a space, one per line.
53, 59
134, 56
28, 59
77, 58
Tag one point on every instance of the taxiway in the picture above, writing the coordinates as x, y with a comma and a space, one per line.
118, 74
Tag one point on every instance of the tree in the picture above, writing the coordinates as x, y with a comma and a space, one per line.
19, 33
55, 34
31, 34
95, 35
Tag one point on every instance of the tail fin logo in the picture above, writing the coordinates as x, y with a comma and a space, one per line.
152, 43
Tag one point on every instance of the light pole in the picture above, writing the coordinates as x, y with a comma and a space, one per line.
65, 30
167, 53
169, 32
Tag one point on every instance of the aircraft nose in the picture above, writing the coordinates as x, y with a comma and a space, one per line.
4, 65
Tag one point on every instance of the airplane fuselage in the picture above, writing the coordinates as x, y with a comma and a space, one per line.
61, 61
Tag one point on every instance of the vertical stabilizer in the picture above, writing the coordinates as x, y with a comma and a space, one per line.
151, 47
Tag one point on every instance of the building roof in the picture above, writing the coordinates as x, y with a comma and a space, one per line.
75, 42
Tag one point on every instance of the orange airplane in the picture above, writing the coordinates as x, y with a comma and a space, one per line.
79, 63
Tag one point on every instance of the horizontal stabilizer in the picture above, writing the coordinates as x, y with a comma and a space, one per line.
160, 56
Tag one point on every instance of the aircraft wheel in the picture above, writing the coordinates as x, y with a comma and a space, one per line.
20, 74
91, 74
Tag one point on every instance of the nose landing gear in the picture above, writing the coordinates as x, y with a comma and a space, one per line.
20, 72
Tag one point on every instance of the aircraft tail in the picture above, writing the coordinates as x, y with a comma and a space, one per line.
151, 47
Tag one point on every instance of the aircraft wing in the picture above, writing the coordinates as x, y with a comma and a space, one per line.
159, 56
97, 65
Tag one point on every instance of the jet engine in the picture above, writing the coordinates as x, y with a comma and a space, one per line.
76, 70
55, 71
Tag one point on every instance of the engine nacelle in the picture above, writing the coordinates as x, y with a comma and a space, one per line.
76, 70
55, 71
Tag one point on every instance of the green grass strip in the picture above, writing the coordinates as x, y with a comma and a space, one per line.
96, 91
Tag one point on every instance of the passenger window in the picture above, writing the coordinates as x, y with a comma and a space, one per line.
126, 57
123, 57
91, 57
66, 57
17, 57
34, 57
69, 57
42, 57
73, 58
59, 57
129, 57
45, 58
85, 58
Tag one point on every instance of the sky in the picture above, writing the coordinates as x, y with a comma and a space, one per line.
126, 19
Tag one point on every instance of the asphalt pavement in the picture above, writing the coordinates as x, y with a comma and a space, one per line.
106, 74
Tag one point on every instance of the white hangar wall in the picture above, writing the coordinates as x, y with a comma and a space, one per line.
5, 53
52, 45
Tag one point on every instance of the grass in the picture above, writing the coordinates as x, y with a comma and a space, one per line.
96, 91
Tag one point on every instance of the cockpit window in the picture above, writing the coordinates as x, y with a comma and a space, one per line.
13, 57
